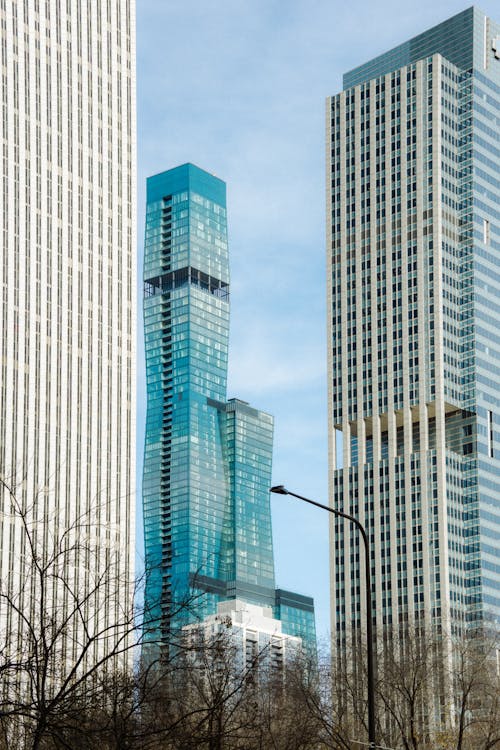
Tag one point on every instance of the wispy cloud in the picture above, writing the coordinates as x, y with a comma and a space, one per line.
264, 364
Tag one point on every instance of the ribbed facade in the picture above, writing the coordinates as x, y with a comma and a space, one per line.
413, 285
67, 299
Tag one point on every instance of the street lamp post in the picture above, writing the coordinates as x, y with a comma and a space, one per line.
281, 490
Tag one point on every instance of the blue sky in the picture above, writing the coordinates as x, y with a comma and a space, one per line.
238, 87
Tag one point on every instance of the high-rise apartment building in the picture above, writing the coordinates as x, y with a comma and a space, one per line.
258, 641
207, 461
413, 190
67, 310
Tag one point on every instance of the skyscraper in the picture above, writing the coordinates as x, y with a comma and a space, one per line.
413, 283
67, 279
207, 461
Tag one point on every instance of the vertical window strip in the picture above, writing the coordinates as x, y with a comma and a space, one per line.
486, 231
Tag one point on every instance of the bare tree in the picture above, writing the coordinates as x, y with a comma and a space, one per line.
476, 694
413, 687
56, 644
322, 696
295, 710
433, 692
67, 680
223, 695
214, 693
66, 674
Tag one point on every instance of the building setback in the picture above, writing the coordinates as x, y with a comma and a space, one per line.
414, 356
67, 309
207, 461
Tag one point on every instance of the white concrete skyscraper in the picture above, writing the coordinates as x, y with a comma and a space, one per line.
67, 281
414, 349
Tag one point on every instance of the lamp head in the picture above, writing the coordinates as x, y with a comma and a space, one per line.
279, 489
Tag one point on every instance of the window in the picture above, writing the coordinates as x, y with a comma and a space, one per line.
490, 434
486, 231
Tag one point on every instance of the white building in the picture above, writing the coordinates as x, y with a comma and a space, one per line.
67, 281
253, 634
413, 284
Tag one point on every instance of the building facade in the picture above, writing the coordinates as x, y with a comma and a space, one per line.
259, 645
67, 275
207, 460
413, 237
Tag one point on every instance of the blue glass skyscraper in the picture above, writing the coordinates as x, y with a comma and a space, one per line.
207, 462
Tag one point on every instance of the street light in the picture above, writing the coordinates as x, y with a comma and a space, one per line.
281, 490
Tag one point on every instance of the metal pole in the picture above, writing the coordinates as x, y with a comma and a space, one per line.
281, 490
